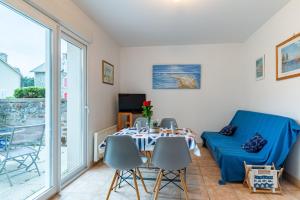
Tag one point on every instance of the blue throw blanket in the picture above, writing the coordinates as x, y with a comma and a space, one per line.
280, 132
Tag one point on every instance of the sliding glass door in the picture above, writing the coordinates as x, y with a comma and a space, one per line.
72, 107
42, 101
27, 132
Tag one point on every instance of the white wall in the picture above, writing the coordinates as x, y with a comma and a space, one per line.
9, 81
269, 95
101, 97
209, 108
228, 75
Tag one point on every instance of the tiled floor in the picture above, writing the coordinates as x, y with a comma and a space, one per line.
27, 183
202, 179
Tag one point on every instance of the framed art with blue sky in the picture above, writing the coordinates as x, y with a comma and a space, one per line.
288, 58
107, 73
260, 68
176, 76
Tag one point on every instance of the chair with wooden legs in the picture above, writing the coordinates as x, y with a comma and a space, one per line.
142, 122
121, 154
168, 123
171, 155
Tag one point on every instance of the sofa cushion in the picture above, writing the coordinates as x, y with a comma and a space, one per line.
228, 130
254, 144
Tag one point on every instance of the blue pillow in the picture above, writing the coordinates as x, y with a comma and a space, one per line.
228, 130
255, 144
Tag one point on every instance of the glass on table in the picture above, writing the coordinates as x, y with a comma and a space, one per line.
172, 127
138, 126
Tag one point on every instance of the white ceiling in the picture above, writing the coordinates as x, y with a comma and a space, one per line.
176, 22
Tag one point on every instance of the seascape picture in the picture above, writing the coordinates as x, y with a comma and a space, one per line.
107, 73
260, 68
183, 76
290, 57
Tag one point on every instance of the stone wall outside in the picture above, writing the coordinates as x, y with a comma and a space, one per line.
27, 111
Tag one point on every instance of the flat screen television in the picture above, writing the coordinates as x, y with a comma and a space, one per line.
131, 102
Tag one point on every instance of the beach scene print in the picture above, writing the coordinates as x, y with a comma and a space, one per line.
107, 73
176, 76
260, 68
290, 57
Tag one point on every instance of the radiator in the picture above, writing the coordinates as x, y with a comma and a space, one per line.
99, 137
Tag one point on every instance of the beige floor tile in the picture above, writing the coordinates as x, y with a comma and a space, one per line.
221, 193
288, 186
210, 171
202, 180
197, 192
211, 180
170, 192
194, 180
243, 192
295, 193
194, 170
207, 163
284, 196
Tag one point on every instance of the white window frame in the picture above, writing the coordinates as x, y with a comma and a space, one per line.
57, 31
31, 13
75, 40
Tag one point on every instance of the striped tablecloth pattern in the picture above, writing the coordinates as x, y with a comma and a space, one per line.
146, 141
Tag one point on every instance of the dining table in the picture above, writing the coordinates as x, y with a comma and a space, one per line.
145, 140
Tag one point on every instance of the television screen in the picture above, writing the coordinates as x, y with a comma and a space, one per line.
131, 102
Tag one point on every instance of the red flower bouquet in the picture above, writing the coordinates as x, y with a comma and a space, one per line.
147, 110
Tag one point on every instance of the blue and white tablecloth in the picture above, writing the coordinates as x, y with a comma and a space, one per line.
146, 141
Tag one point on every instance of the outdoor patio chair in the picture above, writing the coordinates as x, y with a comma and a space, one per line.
23, 148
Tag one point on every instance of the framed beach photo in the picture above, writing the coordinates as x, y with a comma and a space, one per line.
107, 73
177, 76
260, 68
288, 58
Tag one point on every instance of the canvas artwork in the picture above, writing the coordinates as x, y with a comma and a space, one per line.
183, 76
260, 68
288, 58
107, 73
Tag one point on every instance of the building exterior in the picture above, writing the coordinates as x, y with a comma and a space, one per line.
40, 75
10, 78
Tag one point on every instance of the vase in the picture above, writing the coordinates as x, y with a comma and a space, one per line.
148, 124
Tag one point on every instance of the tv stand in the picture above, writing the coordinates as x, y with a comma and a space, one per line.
128, 122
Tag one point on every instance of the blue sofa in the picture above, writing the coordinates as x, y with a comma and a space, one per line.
280, 132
